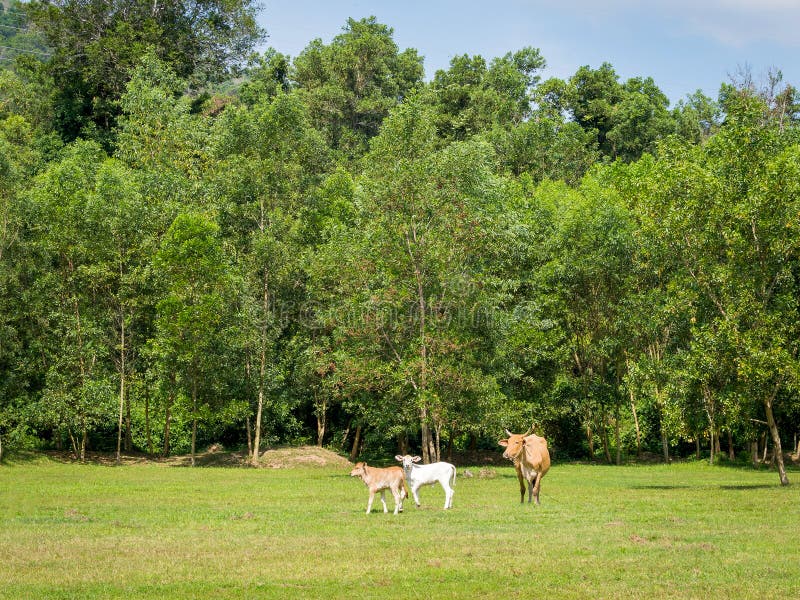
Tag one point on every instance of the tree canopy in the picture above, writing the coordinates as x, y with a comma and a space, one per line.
329, 249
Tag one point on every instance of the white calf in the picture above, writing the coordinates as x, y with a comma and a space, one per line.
419, 475
379, 480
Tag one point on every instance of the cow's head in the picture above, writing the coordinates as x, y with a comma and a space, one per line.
407, 460
358, 470
514, 444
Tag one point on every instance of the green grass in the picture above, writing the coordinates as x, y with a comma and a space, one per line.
152, 531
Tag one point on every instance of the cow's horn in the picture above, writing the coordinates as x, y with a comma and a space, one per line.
508, 433
530, 431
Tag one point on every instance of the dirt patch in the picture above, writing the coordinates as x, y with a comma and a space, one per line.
482, 463
217, 456
302, 456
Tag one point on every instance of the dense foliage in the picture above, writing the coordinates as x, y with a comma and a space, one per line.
330, 249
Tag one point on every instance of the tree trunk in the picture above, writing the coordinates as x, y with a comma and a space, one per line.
421, 388
617, 434
665, 445
321, 410
257, 430
84, 439
356, 444
711, 445
346, 433
127, 440
121, 387
590, 439
636, 425
262, 367
604, 437
148, 433
450, 445
194, 418
427, 439
776, 438
76, 451
249, 435
731, 455
402, 443
167, 419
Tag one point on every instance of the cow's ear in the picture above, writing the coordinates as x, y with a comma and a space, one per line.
399, 458
416, 459
503, 443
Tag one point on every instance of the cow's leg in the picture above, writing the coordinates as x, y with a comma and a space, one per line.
534, 488
369, 503
521, 484
537, 487
383, 501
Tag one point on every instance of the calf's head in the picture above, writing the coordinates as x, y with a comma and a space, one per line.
358, 470
407, 460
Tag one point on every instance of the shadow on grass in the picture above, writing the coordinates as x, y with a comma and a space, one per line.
757, 486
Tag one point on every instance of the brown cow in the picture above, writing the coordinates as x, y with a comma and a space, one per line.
531, 459
379, 480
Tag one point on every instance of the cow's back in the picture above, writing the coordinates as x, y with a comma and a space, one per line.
536, 454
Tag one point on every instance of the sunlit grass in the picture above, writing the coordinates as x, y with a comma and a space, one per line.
151, 531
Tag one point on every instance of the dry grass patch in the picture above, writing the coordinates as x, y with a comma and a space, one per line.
302, 456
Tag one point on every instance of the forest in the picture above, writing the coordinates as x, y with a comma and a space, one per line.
203, 243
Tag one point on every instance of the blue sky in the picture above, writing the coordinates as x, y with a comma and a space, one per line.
684, 45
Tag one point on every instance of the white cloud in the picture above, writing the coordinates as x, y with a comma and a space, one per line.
734, 23
739, 23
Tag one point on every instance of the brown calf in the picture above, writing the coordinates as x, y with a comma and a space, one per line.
379, 480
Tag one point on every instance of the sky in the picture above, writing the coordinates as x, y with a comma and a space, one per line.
684, 45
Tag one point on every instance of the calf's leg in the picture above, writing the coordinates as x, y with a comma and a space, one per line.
448, 495
414, 489
398, 500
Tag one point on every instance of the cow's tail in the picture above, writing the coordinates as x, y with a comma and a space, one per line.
453, 478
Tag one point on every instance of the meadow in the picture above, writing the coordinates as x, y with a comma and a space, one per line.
154, 531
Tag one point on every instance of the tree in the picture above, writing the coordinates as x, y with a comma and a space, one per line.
270, 157
351, 84
77, 395
583, 284
120, 247
20, 363
697, 117
545, 148
96, 46
728, 214
192, 311
639, 120
413, 302
627, 118
471, 97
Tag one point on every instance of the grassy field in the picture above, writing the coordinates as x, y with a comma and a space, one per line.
155, 531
